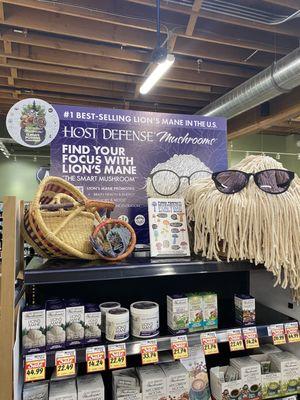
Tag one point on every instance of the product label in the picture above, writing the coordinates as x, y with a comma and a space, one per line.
251, 338
180, 347
65, 362
209, 343
92, 330
195, 313
210, 311
149, 352
95, 359
278, 334
55, 328
75, 325
178, 314
117, 356
35, 367
144, 326
117, 330
235, 340
33, 330
292, 332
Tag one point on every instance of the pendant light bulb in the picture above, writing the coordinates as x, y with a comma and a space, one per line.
160, 69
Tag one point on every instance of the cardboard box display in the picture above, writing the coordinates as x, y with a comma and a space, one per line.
90, 387
270, 382
33, 329
178, 313
289, 366
195, 365
250, 374
153, 382
63, 390
126, 385
177, 380
222, 390
35, 391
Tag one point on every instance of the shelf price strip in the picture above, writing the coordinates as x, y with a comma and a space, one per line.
235, 339
278, 334
35, 367
251, 337
209, 343
65, 362
95, 359
117, 356
149, 352
180, 347
292, 332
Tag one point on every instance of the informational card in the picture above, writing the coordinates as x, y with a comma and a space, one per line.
168, 228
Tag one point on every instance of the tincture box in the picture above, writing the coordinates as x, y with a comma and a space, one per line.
244, 309
74, 323
33, 329
195, 312
210, 310
177, 314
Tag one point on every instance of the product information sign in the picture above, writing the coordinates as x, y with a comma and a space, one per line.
35, 367
149, 352
292, 332
235, 339
209, 343
180, 347
251, 337
117, 356
125, 156
65, 362
95, 359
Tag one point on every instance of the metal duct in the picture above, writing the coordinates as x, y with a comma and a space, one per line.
280, 77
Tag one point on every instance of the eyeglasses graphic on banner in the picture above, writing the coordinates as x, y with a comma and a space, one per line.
32, 122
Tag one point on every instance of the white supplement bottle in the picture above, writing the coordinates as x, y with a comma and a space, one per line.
117, 324
104, 307
144, 319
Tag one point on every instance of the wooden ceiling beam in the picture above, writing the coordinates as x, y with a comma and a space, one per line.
77, 72
134, 17
59, 57
71, 26
181, 9
193, 18
82, 47
282, 108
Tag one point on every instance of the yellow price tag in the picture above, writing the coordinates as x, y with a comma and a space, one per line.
95, 359
235, 339
209, 343
117, 356
292, 332
149, 352
278, 334
180, 347
65, 362
251, 338
35, 367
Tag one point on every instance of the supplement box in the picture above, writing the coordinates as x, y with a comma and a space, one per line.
220, 389
210, 310
177, 380
250, 374
178, 314
195, 365
117, 324
35, 391
92, 324
126, 385
74, 323
270, 380
289, 366
195, 312
153, 382
63, 390
33, 329
244, 309
55, 325
90, 387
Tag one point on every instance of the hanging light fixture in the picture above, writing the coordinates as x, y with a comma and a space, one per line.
161, 60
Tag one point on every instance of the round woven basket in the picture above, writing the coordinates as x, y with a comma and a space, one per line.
104, 227
60, 220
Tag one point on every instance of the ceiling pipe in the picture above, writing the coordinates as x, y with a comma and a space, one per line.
281, 77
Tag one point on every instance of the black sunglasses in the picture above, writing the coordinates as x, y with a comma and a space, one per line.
273, 181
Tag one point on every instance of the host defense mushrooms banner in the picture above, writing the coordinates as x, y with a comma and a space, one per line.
126, 156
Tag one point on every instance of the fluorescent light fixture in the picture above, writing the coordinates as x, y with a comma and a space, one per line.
161, 68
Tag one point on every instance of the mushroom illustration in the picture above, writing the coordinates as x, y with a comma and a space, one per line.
175, 230
182, 230
184, 245
181, 214
154, 204
174, 216
166, 244
166, 225
158, 246
156, 235
174, 236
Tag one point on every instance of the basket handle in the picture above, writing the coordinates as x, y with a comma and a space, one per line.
57, 203
109, 206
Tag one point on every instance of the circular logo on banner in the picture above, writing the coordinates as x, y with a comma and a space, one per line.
140, 220
32, 123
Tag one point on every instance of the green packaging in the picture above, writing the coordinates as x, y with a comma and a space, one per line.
195, 312
210, 310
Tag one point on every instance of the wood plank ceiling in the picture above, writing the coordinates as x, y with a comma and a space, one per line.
90, 52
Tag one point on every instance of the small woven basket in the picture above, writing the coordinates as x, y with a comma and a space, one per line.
100, 236
60, 220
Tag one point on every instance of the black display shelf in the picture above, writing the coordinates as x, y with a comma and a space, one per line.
40, 272
265, 317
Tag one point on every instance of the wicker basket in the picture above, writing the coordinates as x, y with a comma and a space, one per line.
60, 220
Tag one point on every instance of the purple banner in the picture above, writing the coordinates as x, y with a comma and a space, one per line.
123, 155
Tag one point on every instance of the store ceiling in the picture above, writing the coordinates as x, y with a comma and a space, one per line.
96, 53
